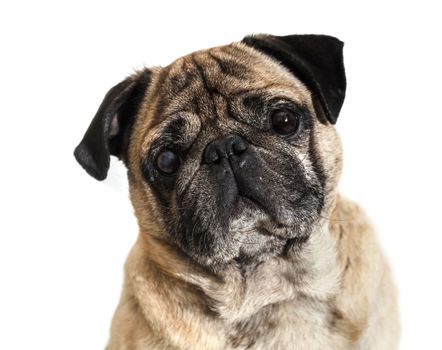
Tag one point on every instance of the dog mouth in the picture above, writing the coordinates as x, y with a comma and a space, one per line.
248, 216
218, 229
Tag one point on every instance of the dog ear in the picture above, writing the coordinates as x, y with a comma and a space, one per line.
316, 60
109, 132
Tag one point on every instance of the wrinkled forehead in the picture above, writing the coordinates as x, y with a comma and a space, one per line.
205, 80
208, 87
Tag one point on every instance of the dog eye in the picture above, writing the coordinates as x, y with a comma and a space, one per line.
285, 122
167, 162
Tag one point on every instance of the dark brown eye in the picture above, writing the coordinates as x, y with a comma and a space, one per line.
285, 122
167, 162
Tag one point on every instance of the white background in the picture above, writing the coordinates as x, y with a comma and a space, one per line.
64, 236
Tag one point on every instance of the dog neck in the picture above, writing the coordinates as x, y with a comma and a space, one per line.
236, 292
308, 271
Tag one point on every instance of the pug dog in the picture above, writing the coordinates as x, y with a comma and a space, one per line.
233, 163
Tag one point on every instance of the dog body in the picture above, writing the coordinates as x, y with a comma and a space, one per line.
317, 299
233, 165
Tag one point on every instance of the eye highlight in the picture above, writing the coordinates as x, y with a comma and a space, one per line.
167, 162
285, 122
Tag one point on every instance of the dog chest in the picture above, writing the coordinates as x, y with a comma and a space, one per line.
299, 324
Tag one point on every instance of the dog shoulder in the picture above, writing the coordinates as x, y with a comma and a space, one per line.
367, 295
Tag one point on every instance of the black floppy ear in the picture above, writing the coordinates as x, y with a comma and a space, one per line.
314, 59
109, 132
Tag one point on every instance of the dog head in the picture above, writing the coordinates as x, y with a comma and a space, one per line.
231, 151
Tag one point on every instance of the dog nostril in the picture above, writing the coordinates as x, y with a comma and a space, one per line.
239, 146
225, 147
211, 155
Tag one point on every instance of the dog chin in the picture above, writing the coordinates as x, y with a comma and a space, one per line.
248, 248
251, 235
250, 240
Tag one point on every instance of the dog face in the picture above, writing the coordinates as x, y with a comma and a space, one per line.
231, 152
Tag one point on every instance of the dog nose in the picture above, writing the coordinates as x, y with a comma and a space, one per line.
224, 147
